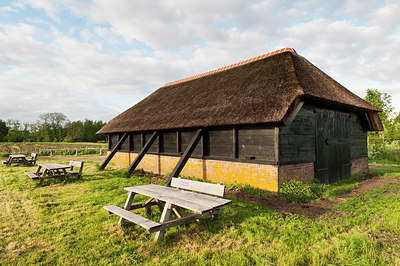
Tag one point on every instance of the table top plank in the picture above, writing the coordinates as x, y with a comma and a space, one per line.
192, 196
169, 197
17, 156
193, 201
53, 166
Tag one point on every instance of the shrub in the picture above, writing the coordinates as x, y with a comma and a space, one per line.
300, 192
384, 152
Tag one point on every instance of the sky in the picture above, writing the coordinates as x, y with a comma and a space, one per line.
93, 59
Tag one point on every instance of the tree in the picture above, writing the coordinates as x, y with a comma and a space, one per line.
74, 131
3, 131
14, 131
52, 126
383, 101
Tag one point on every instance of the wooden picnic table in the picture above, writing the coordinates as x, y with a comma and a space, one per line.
51, 170
15, 158
202, 205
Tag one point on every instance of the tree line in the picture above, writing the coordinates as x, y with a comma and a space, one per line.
51, 127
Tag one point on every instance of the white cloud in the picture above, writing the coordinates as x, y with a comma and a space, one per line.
96, 58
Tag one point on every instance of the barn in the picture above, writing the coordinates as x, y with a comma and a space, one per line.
259, 122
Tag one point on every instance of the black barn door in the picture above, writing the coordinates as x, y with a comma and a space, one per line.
332, 147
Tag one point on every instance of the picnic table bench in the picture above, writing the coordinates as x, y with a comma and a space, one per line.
55, 170
175, 196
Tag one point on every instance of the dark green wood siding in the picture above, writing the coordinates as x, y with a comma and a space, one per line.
125, 144
186, 137
154, 146
256, 143
136, 143
113, 139
297, 140
169, 142
220, 143
358, 137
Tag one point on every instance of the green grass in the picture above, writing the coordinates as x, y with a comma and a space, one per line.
63, 222
302, 192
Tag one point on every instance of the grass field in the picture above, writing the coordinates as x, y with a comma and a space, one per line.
7, 148
63, 222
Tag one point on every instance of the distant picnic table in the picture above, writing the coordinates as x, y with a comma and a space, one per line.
20, 158
56, 170
16, 158
49, 170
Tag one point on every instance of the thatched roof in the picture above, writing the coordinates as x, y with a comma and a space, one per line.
261, 90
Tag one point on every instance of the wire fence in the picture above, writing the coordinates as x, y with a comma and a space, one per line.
76, 152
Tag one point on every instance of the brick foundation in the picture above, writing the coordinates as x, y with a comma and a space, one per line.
359, 165
268, 177
302, 172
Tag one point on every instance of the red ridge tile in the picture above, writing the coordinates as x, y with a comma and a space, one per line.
232, 66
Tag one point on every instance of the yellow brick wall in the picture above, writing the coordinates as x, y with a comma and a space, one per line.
256, 175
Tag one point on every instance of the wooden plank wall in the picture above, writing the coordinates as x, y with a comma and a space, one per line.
297, 140
220, 143
251, 143
125, 145
358, 136
185, 138
246, 143
256, 143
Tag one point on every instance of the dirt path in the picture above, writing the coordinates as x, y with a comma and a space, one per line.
315, 209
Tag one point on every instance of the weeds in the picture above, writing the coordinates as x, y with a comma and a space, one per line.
297, 191
386, 153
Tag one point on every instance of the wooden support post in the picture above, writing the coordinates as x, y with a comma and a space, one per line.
185, 157
113, 152
164, 218
128, 203
235, 143
143, 152
178, 142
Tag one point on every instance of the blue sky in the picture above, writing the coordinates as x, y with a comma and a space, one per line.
95, 59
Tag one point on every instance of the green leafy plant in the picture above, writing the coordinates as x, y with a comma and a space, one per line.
298, 191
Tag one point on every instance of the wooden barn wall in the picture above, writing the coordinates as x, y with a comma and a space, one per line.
125, 145
297, 140
358, 137
244, 144
185, 137
136, 142
256, 143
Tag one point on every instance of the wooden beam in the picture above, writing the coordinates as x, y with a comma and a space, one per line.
143, 152
178, 142
114, 151
235, 143
142, 140
185, 157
